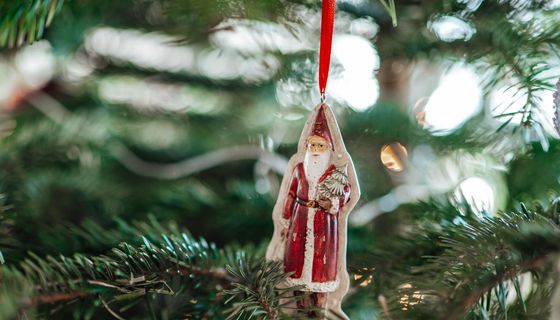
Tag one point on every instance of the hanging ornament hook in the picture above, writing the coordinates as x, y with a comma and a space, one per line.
323, 97
327, 26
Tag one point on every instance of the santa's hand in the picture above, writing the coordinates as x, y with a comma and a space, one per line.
325, 204
284, 233
335, 206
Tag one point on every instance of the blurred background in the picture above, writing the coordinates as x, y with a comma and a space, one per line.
186, 112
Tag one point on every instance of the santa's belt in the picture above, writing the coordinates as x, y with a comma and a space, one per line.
307, 203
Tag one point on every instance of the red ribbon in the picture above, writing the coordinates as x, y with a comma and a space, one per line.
327, 23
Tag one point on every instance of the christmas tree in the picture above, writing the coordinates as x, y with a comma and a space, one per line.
142, 146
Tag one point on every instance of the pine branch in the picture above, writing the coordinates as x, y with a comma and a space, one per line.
125, 274
65, 238
25, 21
508, 49
469, 301
56, 297
466, 268
483, 254
391, 10
15, 289
255, 291
6, 223
129, 273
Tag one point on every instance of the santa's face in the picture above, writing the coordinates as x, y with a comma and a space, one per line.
317, 157
317, 145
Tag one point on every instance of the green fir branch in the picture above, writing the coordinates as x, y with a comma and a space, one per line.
255, 291
467, 269
24, 21
126, 273
7, 243
389, 5
15, 290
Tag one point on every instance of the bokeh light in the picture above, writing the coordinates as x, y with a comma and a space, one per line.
450, 28
457, 98
478, 194
36, 64
525, 286
257, 37
393, 156
357, 85
30, 69
157, 96
163, 52
507, 104
352, 80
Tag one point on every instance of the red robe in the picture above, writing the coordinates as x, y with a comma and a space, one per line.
325, 231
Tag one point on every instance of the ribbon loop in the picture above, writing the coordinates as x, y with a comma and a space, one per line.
327, 24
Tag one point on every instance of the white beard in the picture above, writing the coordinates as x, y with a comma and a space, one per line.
315, 167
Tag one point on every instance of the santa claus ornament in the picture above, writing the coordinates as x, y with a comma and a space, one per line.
318, 191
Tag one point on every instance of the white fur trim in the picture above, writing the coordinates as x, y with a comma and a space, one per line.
309, 246
329, 286
285, 223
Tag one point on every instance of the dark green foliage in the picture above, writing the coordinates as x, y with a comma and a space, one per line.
173, 265
125, 274
98, 222
468, 269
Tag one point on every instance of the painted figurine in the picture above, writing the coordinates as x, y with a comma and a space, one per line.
318, 191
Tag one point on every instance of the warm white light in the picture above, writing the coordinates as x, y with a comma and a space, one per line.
147, 50
457, 98
449, 28
77, 68
356, 3
508, 103
546, 112
364, 27
553, 4
360, 94
36, 64
163, 52
356, 54
525, 281
471, 5
256, 37
154, 96
356, 85
477, 193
